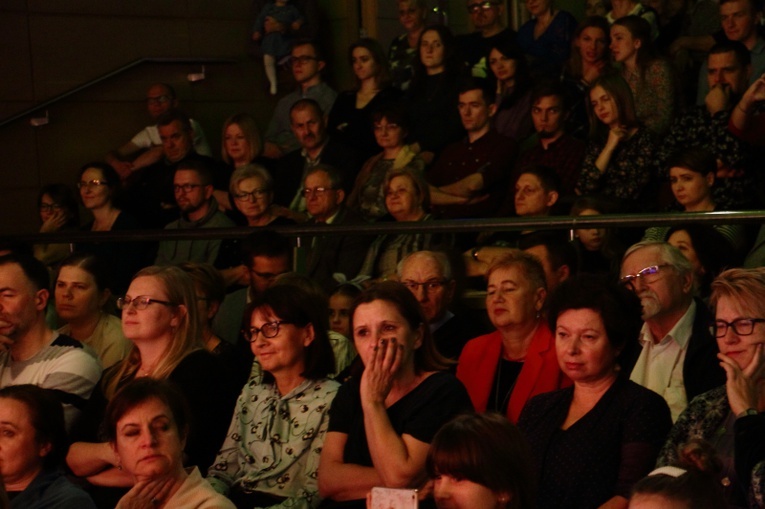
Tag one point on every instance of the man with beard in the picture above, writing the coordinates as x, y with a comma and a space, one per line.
678, 355
554, 147
32, 353
192, 185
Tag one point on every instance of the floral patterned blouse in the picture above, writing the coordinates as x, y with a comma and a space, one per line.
274, 442
401, 58
707, 417
633, 166
654, 95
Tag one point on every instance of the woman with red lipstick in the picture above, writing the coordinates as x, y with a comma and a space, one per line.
731, 416
504, 369
620, 160
593, 441
160, 318
147, 424
649, 76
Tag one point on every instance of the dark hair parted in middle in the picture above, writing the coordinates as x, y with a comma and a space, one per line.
487, 450
618, 307
426, 358
295, 305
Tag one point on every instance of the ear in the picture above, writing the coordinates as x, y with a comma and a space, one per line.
44, 449
552, 198
492, 109
688, 283
563, 272
310, 334
539, 299
41, 299
710, 178
321, 65
178, 316
637, 43
212, 309
419, 334
340, 197
208, 191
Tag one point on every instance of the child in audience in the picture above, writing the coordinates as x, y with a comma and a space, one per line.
275, 45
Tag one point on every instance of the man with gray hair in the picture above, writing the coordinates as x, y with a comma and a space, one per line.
678, 356
428, 275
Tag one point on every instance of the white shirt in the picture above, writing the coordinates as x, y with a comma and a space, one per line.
660, 365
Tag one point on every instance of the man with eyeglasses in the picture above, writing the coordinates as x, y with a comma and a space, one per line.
266, 254
428, 275
160, 98
192, 185
32, 353
331, 254
316, 147
307, 63
486, 17
678, 356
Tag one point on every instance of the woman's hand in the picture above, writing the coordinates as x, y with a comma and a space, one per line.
377, 378
148, 494
744, 386
54, 223
616, 135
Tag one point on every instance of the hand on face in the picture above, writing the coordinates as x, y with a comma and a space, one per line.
148, 494
718, 98
744, 386
55, 222
380, 371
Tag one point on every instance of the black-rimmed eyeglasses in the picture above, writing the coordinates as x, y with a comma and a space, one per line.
740, 326
140, 302
269, 330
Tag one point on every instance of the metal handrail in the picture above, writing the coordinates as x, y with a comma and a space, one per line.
438, 226
111, 74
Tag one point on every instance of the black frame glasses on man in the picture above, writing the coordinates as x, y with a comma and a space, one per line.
269, 330
140, 302
740, 326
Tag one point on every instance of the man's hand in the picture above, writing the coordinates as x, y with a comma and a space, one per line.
718, 98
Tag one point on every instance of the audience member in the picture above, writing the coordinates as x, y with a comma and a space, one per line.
555, 253
307, 63
276, 44
101, 193
648, 75
593, 441
707, 126
678, 488
747, 121
381, 423
513, 98
328, 255
470, 177
623, 8
537, 191
316, 146
402, 54
600, 249
267, 457
58, 211
407, 199
504, 369
160, 317
732, 410
546, 37
33, 448
481, 460
391, 128
83, 298
147, 424
620, 160
676, 356
265, 254
240, 141
32, 353
428, 275
340, 303
486, 18
193, 189
431, 99
590, 59
740, 21
160, 99
350, 119
554, 146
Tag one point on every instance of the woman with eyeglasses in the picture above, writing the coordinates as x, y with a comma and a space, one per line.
251, 188
391, 129
270, 456
349, 120
504, 369
160, 318
99, 186
58, 211
731, 417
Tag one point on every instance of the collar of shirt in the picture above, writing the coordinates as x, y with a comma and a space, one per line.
436, 325
310, 163
680, 333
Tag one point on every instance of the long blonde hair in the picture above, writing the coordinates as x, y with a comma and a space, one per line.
187, 336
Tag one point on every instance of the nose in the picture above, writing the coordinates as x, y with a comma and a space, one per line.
442, 488
421, 293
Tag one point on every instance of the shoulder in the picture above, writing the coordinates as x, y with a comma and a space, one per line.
481, 342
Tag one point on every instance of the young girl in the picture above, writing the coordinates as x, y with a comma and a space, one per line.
340, 303
275, 45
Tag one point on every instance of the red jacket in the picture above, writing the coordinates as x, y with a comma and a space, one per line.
477, 368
